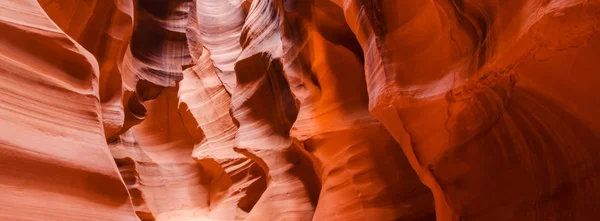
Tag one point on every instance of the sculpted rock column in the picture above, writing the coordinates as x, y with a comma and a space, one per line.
452, 82
156, 55
172, 183
264, 108
128, 155
364, 173
236, 181
103, 28
54, 160
220, 29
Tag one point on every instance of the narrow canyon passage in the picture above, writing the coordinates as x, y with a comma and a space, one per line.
324, 110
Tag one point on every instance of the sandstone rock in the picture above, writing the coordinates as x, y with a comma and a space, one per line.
55, 163
421, 110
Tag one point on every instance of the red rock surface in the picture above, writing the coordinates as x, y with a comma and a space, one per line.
420, 110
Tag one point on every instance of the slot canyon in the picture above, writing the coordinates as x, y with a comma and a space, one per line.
299, 110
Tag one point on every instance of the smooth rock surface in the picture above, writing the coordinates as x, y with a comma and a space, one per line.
260, 110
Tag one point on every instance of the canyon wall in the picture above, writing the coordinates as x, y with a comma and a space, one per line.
418, 110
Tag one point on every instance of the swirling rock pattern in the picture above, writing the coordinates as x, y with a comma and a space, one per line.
421, 110
363, 174
504, 146
54, 158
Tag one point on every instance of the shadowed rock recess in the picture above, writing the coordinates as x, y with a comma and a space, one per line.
299, 110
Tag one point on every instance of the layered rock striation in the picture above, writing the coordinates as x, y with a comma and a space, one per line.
420, 110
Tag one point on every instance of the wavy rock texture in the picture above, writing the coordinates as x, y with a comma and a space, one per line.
507, 146
259, 110
104, 29
220, 27
170, 180
54, 159
263, 106
363, 173
236, 180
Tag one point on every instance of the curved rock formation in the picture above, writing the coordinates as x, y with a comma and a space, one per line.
263, 106
171, 182
204, 98
236, 181
104, 29
460, 82
363, 173
54, 159
170, 110
220, 24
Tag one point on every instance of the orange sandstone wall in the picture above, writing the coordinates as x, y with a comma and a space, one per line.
419, 110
